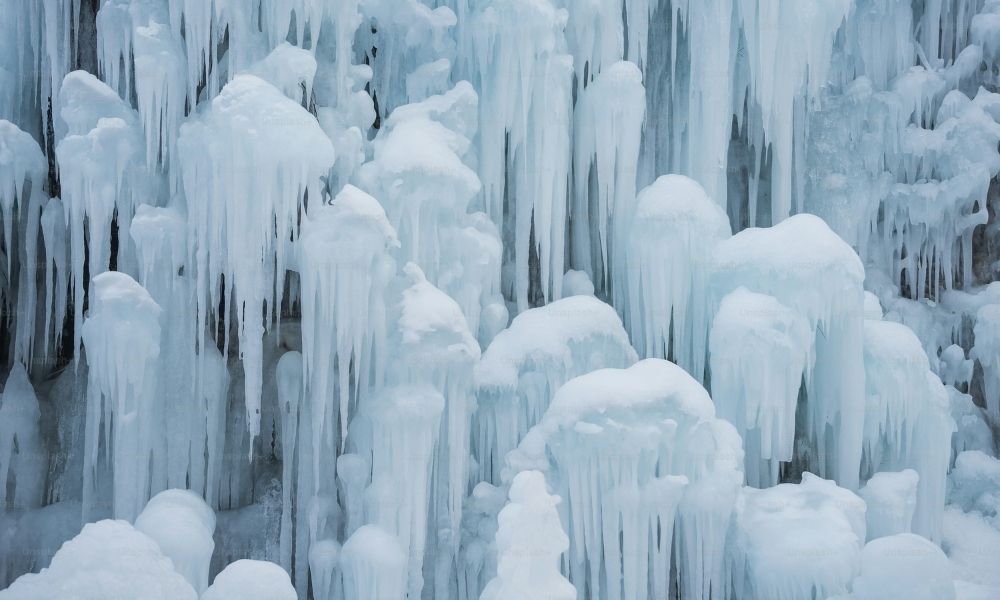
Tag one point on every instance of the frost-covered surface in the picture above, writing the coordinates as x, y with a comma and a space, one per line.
333, 299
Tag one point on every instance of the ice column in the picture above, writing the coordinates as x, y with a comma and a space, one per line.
525, 129
98, 166
344, 267
789, 44
676, 226
625, 448
373, 565
530, 541
23, 169
135, 40
907, 418
23, 457
397, 430
245, 188
122, 339
609, 116
807, 268
760, 352
525, 364
434, 347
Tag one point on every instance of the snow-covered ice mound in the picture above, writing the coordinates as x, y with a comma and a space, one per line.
795, 541
108, 560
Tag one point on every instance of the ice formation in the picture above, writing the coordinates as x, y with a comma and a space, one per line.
346, 299
795, 541
530, 541
760, 351
903, 566
907, 408
632, 452
523, 367
822, 280
108, 559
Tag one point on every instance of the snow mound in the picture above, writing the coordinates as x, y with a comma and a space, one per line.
182, 525
108, 560
904, 567
251, 580
796, 540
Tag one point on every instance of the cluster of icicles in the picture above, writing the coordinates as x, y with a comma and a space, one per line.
231, 223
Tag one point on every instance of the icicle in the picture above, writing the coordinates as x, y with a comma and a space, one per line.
23, 456
22, 171
789, 45
344, 267
245, 188
525, 118
760, 352
609, 117
122, 339
620, 447
397, 431
822, 280
907, 420
56, 240
675, 226
98, 162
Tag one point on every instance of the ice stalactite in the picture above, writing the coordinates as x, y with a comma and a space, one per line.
100, 165
530, 541
373, 564
245, 189
122, 340
525, 116
609, 116
625, 448
22, 172
821, 280
191, 385
788, 49
891, 499
23, 457
675, 227
795, 541
344, 266
987, 352
138, 50
397, 431
879, 36
907, 418
434, 347
760, 351
56, 242
422, 173
525, 364
713, 37
182, 525
401, 36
